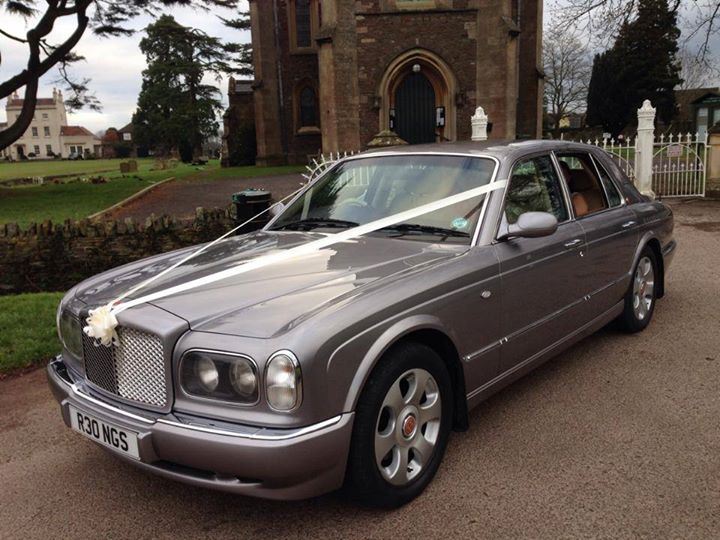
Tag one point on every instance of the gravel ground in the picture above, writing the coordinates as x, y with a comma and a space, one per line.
617, 437
181, 198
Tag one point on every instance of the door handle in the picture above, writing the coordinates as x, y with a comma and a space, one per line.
573, 243
628, 224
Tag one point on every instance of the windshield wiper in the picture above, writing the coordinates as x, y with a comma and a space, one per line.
425, 229
313, 223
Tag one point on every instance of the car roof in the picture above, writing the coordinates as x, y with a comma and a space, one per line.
496, 148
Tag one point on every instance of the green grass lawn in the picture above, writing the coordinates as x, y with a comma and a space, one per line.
77, 200
28, 333
24, 169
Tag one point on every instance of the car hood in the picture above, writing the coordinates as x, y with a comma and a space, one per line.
267, 301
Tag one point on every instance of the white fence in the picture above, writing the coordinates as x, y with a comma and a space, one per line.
666, 166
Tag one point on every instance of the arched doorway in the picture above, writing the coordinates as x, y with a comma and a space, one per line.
415, 109
417, 97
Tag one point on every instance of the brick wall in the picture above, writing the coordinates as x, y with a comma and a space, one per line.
384, 36
54, 257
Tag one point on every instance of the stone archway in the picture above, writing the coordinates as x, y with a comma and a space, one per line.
410, 82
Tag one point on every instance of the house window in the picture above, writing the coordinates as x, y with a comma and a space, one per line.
46, 131
45, 115
34, 132
307, 109
304, 20
127, 136
48, 150
36, 149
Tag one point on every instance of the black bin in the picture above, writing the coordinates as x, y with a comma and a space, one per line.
249, 203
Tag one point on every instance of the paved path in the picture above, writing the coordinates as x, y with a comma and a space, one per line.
181, 198
617, 437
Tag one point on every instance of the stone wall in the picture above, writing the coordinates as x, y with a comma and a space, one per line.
54, 257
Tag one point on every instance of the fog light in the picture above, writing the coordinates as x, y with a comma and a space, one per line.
283, 381
207, 373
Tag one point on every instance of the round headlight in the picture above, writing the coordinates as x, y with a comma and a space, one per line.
207, 373
283, 382
243, 379
217, 375
70, 333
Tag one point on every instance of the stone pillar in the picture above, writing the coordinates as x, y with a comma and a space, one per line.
337, 67
712, 185
479, 125
266, 88
644, 149
496, 76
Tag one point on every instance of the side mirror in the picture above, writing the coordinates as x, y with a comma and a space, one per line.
277, 209
532, 225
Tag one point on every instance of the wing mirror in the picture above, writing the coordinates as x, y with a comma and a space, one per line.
277, 209
532, 225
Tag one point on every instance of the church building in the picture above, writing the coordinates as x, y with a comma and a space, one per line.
332, 74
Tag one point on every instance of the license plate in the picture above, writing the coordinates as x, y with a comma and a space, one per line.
110, 435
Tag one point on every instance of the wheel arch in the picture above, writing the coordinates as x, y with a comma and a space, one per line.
650, 241
430, 332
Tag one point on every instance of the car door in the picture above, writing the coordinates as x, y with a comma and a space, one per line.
610, 229
540, 277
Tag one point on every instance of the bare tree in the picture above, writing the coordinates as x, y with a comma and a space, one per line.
694, 72
568, 67
104, 17
699, 20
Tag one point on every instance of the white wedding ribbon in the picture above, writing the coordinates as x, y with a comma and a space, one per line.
102, 321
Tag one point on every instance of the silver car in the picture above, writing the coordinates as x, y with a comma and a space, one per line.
351, 365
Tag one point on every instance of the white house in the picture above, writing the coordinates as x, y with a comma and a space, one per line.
49, 133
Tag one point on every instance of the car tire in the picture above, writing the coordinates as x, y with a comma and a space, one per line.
642, 294
405, 408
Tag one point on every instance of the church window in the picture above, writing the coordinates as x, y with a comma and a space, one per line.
308, 108
304, 20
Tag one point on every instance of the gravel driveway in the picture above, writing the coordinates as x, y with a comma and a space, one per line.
617, 437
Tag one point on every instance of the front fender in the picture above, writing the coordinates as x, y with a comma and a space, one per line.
370, 346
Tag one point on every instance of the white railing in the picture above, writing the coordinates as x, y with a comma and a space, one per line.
679, 163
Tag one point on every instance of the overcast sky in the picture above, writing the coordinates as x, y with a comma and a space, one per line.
115, 64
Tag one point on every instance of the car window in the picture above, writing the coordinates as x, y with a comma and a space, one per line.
358, 191
535, 187
613, 195
587, 193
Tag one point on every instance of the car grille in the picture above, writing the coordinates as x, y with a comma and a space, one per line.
133, 370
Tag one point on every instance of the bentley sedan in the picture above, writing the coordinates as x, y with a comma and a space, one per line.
349, 365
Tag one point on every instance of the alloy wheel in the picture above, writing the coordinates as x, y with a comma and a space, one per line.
643, 288
408, 427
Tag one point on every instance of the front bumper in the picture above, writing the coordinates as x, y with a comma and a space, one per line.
261, 462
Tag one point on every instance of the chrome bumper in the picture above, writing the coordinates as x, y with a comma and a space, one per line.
262, 462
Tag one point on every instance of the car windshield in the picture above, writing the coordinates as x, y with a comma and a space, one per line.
358, 191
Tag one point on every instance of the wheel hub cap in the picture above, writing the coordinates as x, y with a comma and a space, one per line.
408, 426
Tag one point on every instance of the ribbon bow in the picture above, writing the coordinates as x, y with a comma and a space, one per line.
101, 325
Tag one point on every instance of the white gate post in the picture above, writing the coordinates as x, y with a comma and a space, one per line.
644, 149
479, 125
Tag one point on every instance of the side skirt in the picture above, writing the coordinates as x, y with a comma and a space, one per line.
480, 394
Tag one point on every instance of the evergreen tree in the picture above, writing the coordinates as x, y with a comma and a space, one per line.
642, 64
176, 110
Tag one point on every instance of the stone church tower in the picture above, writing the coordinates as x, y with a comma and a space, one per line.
331, 74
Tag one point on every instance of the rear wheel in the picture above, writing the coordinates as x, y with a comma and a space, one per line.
642, 294
402, 424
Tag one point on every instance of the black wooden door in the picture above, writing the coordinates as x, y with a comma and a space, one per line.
415, 109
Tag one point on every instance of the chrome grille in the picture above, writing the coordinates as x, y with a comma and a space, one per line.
133, 370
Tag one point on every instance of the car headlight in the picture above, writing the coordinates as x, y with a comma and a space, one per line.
70, 333
283, 381
221, 376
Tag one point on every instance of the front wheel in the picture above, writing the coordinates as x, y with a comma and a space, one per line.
402, 424
641, 296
